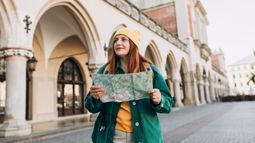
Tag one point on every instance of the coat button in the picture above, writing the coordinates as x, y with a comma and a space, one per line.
137, 124
102, 128
134, 103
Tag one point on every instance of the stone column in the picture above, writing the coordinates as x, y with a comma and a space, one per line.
212, 93
177, 92
201, 91
207, 93
188, 89
193, 88
15, 107
195, 91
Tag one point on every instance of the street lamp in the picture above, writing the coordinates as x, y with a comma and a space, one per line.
2, 70
31, 64
105, 49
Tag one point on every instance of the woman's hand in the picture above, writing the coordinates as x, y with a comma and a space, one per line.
97, 92
155, 96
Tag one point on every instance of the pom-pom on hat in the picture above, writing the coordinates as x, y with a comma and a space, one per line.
132, 34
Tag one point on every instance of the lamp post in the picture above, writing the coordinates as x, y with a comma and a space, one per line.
105, 49
2, 70
31, 66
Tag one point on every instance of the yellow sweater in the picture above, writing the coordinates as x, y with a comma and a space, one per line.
124, 118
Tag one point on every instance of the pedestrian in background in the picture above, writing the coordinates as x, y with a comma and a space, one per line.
132, 121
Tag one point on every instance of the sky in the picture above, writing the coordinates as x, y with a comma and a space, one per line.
231, 27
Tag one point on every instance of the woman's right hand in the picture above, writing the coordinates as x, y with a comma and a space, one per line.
97, 92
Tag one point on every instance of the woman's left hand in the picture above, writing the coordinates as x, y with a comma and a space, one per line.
155, 96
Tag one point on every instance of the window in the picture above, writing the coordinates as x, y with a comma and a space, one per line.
70, 89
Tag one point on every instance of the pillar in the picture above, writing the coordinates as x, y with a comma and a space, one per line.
201, 91
177, 92
207, 93
15, 107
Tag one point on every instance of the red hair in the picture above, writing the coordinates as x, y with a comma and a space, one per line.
135, 60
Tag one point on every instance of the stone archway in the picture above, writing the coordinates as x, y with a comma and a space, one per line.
211, 86
153, 54
170, 68
59, 35
200, 83
185, 84
70, 93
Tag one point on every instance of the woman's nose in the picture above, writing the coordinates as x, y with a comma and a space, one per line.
118, 41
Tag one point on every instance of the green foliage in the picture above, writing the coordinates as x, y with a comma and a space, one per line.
252, 79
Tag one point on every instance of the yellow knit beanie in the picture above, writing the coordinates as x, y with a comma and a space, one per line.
132, 34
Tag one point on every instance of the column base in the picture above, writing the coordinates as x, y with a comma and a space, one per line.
94, 117
12, 128
178, 104
203, 102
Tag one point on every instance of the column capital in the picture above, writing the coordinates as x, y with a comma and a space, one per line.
176, 76
9, 52
94, 67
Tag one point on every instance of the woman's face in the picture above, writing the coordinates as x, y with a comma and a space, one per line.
121, 45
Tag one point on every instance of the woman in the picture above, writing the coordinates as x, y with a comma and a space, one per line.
133, 121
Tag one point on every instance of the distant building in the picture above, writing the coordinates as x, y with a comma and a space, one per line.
218, 60
239, 74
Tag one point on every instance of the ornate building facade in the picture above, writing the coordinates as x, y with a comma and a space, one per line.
69, 39
239, 75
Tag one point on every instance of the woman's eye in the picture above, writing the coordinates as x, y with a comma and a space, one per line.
124, 39
115, 40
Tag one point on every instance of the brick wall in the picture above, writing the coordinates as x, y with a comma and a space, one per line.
164, 16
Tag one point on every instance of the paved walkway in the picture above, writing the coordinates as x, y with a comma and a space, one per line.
232, 122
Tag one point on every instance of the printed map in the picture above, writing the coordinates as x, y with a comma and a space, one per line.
124, 87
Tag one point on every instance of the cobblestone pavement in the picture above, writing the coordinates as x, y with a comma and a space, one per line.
214, 123
232, 122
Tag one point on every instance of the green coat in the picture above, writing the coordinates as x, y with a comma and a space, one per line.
145, 122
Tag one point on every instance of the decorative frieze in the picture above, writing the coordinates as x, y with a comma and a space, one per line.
205, 52
8, 52
144, 20
152, 25
112, 2
135, 13
123, 6
128, 8
159, 30
197, 42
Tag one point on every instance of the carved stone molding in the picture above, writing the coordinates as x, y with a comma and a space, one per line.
93, 68
131, 10
205, 52
8, 52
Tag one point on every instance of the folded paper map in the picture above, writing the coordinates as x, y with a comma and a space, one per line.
124, 87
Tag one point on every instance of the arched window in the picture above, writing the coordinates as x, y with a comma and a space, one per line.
70, 89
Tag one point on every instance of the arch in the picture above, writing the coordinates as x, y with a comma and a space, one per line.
62, 52
153, 54
210, 77
171, 67
198, 73
184, 66
171, 61
184, 85
70, 89
7, 17
83, 19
